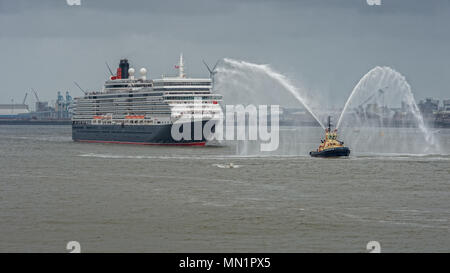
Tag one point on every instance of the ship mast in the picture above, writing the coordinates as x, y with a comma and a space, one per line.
329, 123
181, 67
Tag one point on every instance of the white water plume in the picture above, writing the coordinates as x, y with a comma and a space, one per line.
383, 98
380, 115
240, 75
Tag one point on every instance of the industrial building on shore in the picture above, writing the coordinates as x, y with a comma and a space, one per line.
434, 114
13, 110
59, 112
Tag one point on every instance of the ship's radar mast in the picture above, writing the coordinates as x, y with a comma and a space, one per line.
181, 67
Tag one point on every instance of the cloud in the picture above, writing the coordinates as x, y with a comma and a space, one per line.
329, 42
168, 7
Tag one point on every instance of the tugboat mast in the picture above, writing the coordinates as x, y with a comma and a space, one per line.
329, 123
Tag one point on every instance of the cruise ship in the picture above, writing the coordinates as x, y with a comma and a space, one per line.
135, 110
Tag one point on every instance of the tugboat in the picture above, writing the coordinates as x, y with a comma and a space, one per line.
331, 146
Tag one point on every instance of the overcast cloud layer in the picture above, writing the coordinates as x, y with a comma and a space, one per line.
327, 44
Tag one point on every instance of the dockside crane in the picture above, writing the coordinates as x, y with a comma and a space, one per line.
24, 99
35, 95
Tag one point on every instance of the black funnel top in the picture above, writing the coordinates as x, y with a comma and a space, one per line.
124, 66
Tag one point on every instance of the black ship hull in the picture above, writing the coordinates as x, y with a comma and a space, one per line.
333, 152
159, 134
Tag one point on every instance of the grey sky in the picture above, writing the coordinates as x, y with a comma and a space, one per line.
326, 44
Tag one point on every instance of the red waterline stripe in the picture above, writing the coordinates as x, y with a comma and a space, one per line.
145, 143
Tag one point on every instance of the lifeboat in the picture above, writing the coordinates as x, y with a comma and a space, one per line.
331, 146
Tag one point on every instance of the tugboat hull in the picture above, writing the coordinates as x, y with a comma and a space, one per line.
332, 152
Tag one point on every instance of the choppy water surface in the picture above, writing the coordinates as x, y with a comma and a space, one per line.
117, 198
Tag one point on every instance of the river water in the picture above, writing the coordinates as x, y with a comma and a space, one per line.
132, 198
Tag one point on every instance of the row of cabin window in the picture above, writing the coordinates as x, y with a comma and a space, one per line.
181, 89
180, 83
118, 123
190, 98
123, 96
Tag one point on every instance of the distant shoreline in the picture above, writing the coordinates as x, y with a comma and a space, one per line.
34, 122
282, 123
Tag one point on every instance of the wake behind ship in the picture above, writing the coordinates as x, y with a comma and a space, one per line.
135, 110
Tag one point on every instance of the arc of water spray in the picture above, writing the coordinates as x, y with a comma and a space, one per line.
400, 80
362, 81
281, 79
352, 94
